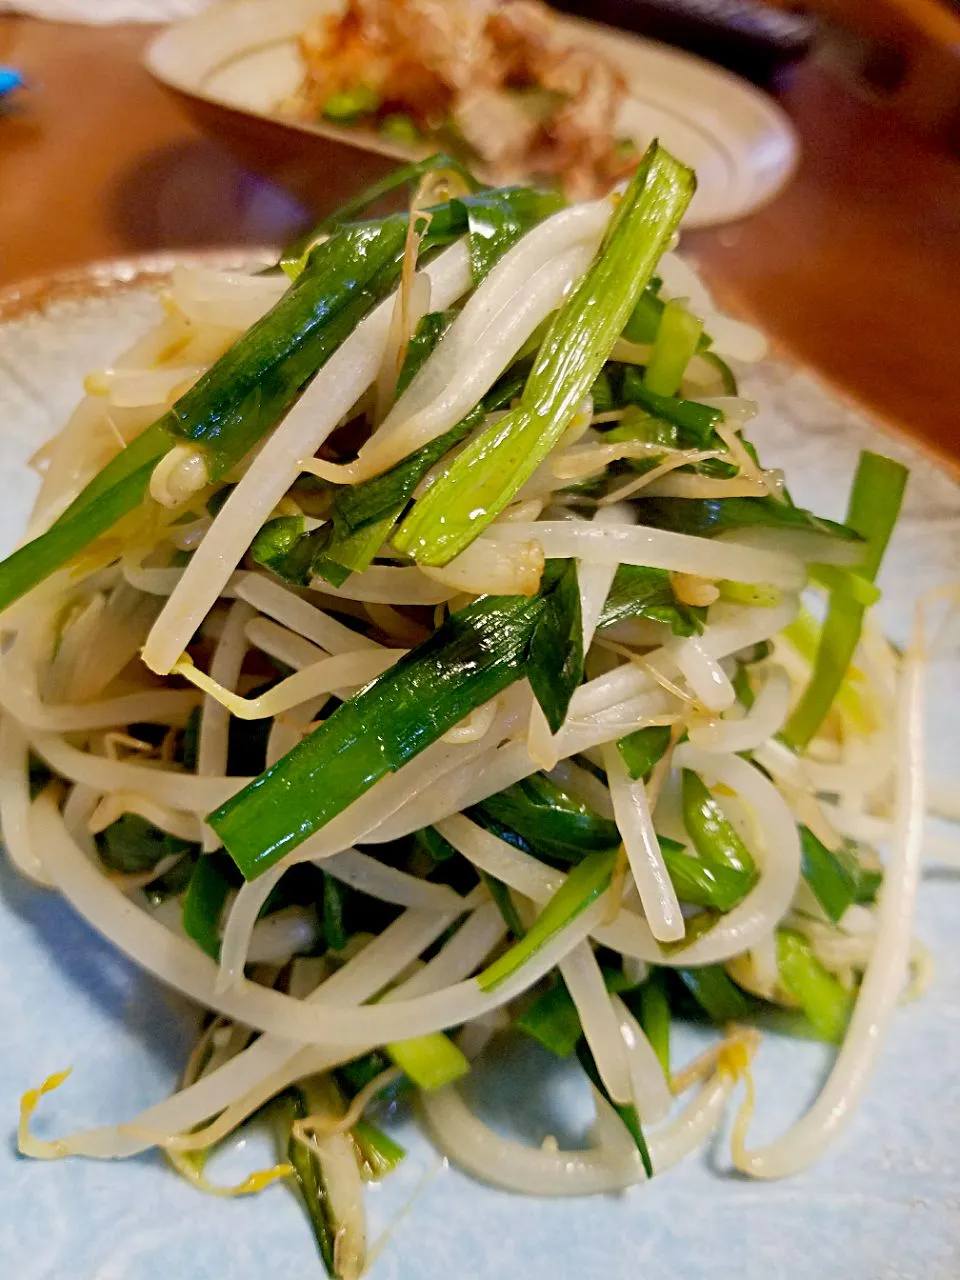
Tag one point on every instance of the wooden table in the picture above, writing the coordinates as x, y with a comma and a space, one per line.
855, 269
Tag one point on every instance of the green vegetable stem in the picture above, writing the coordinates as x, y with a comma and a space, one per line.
498, 462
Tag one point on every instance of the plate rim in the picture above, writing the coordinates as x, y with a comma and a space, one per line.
106, 277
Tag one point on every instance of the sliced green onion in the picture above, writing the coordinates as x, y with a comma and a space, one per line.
496, 220
712, 832
696, 421
356, 1074
742, 686
653, 1010
727, 376
275, 543
678, 337
704, 517
241, 396
364, 515
204, 902
803, 634
640, 592
874, 506
400, 128
719, 997
502, 897
703, 882
286, 550
473, 656
335, 931
825, 1002
378, 1153
285, 1111
552, 1020
848, 582
487, 474
697, 926
759, 595
643, 748
116, 491
869, 879
131, 844
628, 1114
645, 317
330, 570
319, 1096
436, 846
430, 1061
835, 875
423, 342
637, 424
548, 820
644, 322
406, 175
602, 392
555, 656
585, 883
344, 107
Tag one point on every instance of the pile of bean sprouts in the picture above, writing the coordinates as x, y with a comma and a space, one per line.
97, 649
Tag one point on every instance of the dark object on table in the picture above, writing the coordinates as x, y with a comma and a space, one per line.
749, 38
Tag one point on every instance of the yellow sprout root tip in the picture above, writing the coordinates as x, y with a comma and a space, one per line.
190, 1167
262, 1178
29, 1145
734, 1060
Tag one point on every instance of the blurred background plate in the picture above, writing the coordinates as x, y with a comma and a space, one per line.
882, 1204
232, 64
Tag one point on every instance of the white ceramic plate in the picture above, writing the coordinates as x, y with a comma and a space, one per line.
242, 55
883, 1205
